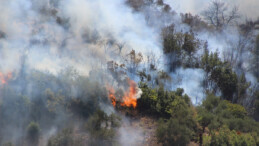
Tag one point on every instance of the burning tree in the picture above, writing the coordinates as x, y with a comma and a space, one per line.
126, 99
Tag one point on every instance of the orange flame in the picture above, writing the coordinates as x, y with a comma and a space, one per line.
5, 78
130, 97
112, 96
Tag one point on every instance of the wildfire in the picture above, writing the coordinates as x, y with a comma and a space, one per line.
129, 98
5, 78
112, 96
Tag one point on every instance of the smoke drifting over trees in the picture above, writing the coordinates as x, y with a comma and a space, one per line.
104, 72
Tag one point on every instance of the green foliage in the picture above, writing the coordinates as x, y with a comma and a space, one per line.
83, 108
178, 108
178, 125
170, 42
236, 110
204, 117
65, 138
50, 100
210, 61
89, 95
102, 128
190, 44
211, 102
256, 105
163, 103
33, 133
179, 48
40, 112
173, 132
223, 120
206, 140
172, 46
242, 87
230, 138
243, 125
54, 102
148, 99
255, 60
184, 113
226, 81
219, 74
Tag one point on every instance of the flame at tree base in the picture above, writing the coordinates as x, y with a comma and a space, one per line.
112, 96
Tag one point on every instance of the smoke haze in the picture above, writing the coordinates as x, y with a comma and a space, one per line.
54, 34
248, 8
76, 57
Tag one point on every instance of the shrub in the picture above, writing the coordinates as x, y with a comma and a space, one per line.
33, 133
65, 138
172, 132
231, 138
102, 128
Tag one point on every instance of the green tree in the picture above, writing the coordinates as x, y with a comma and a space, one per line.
181, 126
172, 132
147, 102
226, 79
204, 118
189, 44
219, 75
33, 134
236, 110
65, 138
255, 61
102, 128
211, 102
242, 87
256, 105
214, 113
172, 46
231, 138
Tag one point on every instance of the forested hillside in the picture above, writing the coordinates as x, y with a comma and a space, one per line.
127, 72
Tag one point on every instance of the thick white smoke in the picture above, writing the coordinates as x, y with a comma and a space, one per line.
191, 81
82, 34
50, 35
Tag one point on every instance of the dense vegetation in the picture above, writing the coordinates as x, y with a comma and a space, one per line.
71, 109
214, 122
